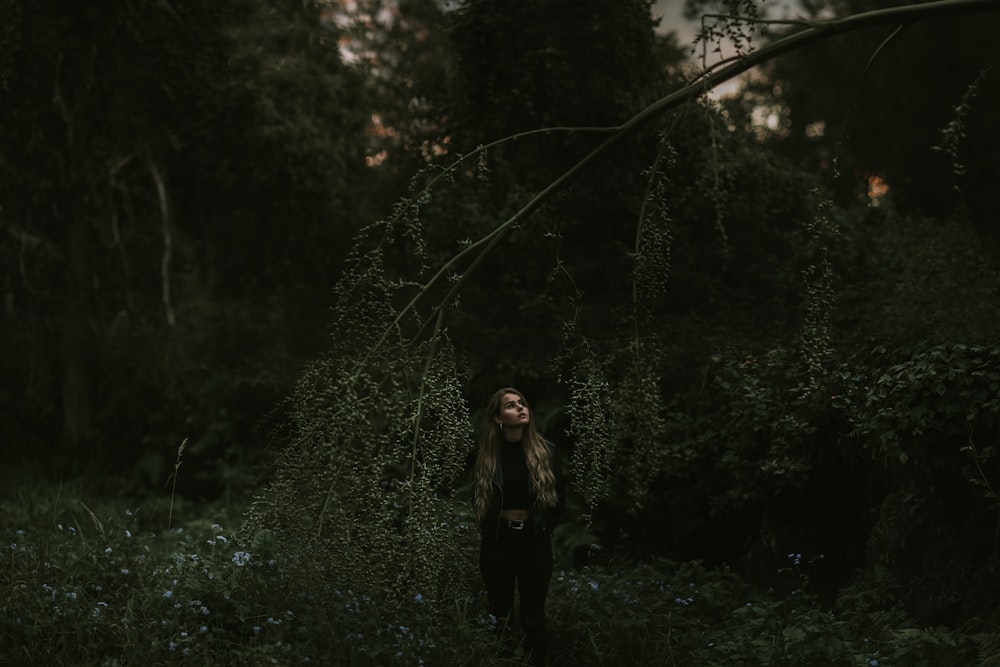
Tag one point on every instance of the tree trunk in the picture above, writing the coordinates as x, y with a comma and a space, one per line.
77, 342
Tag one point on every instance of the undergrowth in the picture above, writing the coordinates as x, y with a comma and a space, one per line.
98, 582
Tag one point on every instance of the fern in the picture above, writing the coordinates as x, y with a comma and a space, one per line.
988, 645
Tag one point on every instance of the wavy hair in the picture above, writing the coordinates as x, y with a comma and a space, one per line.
536, 453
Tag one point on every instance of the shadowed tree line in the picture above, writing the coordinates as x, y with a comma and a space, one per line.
179, 182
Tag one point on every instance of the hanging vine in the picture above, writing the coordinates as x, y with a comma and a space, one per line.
379, 426
815, 338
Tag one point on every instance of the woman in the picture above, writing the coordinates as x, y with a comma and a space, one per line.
518, 495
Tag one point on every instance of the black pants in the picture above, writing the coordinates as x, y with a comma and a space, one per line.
524, 558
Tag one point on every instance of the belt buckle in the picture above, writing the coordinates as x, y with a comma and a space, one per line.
516, 524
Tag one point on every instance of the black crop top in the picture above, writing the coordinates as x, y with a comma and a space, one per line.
516, 481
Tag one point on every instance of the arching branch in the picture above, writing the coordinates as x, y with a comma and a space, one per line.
815, 32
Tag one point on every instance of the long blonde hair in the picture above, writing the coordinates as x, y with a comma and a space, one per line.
536, 453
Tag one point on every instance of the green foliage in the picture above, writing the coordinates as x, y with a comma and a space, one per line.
113, 585
653, 237
725, 25
117, 586
92, 583
816, 336
379, 426
936, 394
741, 438
954, 132
640, 427
369, 473
716, 393
915, 280
592, 419
363, 493
164, 234
737, 237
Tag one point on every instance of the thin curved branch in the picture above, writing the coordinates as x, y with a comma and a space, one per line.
817, 32
857, 93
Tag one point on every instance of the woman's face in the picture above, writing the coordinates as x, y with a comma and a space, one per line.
513, 411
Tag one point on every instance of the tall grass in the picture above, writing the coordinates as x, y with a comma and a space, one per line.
103, 582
